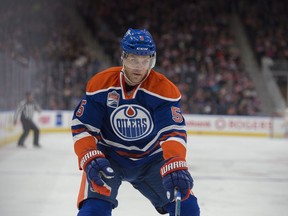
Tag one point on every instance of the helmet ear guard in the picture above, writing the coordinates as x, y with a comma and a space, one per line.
153, 60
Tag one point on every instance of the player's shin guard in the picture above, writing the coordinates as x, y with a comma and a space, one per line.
95, 207
189, 207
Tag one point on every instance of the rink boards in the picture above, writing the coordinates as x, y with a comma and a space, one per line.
57, 121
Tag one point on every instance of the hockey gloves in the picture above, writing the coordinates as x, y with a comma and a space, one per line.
175, 174
97, 168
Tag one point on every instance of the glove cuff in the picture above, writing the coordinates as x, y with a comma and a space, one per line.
87, 157
173, 165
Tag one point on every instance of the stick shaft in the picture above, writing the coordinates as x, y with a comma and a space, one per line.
177, 196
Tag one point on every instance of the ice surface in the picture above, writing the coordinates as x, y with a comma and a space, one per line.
233, 177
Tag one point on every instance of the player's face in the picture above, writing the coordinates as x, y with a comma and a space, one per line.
136, 67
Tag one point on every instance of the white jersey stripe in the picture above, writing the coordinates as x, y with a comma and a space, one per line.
152, 142
159, 96
81, 136
103, 90
177, 139
76, 122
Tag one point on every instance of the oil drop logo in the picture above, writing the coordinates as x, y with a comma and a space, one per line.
131, 122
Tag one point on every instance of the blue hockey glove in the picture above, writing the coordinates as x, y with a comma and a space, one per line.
97, 168
175, 174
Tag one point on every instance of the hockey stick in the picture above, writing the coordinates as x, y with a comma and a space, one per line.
177, 197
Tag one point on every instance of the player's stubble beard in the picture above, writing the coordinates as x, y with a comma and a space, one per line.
130, 81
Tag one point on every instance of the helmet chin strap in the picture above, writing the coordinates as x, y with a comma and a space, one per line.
130, 82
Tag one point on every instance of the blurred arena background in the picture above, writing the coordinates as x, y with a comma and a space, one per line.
228, 58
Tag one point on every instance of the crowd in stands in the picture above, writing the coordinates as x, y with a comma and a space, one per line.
42, 32
266, 24
195, 49
39, 30
267, 27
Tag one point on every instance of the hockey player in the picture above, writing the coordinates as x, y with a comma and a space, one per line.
129, 127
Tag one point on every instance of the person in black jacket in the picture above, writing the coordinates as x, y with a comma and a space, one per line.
26, 110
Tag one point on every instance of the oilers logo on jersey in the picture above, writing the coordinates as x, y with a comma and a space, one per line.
131, 122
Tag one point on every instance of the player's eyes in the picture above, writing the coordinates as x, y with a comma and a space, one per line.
133, 60
136, 61
145, 62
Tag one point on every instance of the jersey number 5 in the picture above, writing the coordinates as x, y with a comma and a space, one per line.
80, 110
176, 114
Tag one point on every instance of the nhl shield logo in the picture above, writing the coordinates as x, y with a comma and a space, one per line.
131, 122
113, 99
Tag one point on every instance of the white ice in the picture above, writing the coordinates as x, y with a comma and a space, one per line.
234, 176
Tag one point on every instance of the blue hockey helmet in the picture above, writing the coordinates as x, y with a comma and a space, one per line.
138, 42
